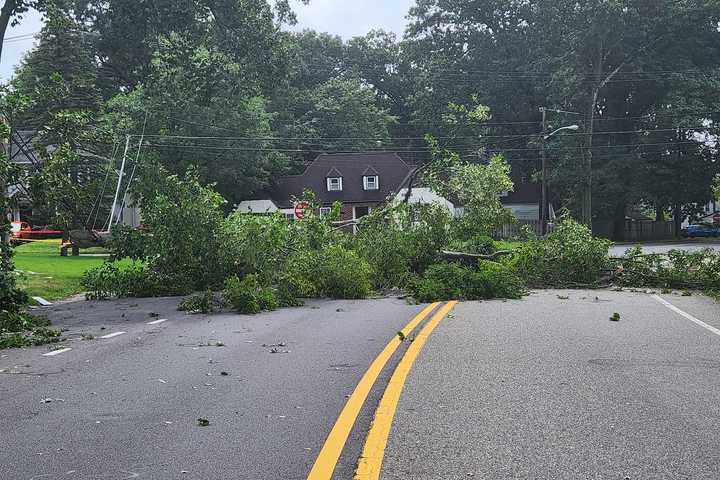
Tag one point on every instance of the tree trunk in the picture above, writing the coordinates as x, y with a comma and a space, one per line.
659, 212
6, 13
677, 218
619, 222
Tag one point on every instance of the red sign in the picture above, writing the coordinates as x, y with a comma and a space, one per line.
300, 210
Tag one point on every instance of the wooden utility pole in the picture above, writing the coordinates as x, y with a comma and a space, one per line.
543, 196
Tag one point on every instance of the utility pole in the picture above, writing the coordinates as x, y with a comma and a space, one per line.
120, 178
546, 135
543, 196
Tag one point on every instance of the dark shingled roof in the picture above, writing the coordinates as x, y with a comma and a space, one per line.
391, 170
524, 193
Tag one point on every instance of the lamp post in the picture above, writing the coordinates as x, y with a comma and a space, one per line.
545, 138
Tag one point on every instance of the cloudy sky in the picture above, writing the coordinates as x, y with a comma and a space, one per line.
347, 18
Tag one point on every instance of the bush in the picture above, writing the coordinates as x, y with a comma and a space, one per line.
443, 281
127, 242
199, 303
184, 218
341, 273
493, 280
248, 296
449, 281
127, 279
402, 240
678, 269
254, 244
479, 244
570, 256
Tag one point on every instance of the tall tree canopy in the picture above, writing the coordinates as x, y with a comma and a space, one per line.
222, 85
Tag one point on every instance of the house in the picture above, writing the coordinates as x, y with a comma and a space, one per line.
359, 181
363, 181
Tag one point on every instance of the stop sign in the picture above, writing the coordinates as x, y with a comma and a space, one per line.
300, 208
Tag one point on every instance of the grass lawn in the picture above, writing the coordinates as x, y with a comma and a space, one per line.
507, 245
46, 274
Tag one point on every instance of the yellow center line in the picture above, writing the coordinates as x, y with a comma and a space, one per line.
333, 447
370, 462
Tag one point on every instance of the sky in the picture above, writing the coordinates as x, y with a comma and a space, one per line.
347, 18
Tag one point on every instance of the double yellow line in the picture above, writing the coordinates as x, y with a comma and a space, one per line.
374, 449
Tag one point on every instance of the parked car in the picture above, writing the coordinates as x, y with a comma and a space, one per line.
23, 231
701, 230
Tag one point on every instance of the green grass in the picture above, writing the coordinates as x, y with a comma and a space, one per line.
507, 245
46, 274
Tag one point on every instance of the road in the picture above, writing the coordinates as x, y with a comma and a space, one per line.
664, 247
544, 387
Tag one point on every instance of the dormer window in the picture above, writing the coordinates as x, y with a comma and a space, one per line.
371, 182
334, 184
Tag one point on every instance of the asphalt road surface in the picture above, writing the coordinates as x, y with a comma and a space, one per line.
550, 388
664, 247
545, 387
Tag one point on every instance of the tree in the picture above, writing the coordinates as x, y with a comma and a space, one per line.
12, 298
62, 73
248, 31
71, 177
342, 117
619, 64
12, 11
196, 109
477, 187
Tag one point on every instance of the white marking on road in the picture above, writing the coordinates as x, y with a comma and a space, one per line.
687, 315
56, 352
155, 322
111, 335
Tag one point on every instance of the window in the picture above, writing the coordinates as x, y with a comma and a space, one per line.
334, 184
371, 182
362, 212
325, 211
290, 217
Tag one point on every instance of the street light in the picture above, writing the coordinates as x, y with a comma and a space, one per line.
569, 127
544, 205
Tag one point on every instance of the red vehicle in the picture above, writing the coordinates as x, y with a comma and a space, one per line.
23, 231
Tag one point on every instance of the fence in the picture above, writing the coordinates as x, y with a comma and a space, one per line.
515, 230
636, 230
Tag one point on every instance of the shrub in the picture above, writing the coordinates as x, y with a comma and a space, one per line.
184, 218
443, 281
570, 256
678, 269
341, 273
126, 279
199, 303
254, 244
402, 240
127, 242
448, 281
493, 280
479, 244
248, 296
